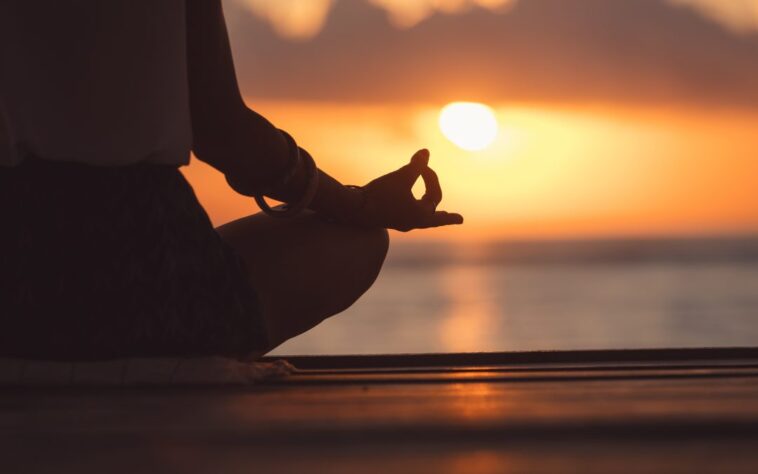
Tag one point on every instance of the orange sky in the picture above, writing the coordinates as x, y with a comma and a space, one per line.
552, 172
617, 118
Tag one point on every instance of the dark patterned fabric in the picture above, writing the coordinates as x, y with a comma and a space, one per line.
101, 262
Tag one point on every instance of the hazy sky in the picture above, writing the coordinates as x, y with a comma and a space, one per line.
617, 117
305, 18
701, 52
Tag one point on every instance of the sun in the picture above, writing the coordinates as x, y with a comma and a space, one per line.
469, 125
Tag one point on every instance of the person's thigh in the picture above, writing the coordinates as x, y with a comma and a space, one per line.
305, 269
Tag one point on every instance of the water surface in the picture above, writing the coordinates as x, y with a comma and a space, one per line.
515, 296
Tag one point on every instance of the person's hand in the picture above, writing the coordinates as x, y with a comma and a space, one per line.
389, 201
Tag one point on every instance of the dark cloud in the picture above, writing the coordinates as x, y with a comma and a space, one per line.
641, 51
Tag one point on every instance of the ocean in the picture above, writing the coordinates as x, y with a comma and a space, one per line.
558, 295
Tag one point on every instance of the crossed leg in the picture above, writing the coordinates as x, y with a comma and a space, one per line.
305, 269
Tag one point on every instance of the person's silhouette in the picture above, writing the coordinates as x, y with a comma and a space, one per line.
106, 251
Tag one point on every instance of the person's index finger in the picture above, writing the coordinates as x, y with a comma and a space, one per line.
432, 183
408, 174
420, 158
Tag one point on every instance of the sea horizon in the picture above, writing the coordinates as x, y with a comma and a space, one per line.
559, 294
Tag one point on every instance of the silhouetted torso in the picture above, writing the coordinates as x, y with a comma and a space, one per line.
101, 82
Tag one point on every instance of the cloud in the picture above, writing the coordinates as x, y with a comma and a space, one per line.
408, 13
303, 19
738, 15
631, 51
294, 19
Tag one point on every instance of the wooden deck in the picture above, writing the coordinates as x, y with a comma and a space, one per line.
606, 411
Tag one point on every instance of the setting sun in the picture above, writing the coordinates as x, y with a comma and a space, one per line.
469, 125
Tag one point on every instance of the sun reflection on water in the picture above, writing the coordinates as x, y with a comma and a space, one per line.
470, 316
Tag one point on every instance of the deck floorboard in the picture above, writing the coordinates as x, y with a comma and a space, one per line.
602, 416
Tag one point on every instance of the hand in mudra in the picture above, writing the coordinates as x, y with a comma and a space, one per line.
389, 201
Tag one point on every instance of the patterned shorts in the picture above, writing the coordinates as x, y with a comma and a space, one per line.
103, 262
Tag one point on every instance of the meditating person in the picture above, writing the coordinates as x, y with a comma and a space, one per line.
104, 249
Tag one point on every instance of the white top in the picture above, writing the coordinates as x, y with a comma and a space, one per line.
94, 81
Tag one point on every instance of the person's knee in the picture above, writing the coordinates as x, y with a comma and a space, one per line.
377, 246
380, 244
374, 245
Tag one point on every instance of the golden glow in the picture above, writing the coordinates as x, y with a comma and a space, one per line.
553, 171
470, 125
468, 324
738, 15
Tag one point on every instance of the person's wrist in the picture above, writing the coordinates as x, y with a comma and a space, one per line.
292, 209
355, 205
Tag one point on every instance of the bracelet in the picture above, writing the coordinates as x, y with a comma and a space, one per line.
293, 209
293, 163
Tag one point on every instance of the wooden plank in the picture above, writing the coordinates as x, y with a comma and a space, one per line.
446, 406
677, 416
615, 356
339, 377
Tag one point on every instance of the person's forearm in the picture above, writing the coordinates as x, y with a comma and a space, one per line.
226, 134
246, 148
252, 153
332, 198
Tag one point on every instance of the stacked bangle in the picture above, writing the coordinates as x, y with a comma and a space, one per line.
293, 163
298, 157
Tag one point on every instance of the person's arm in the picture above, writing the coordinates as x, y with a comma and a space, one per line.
237, 141
254, 154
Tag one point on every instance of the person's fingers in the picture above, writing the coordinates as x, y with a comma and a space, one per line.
420, 158
433, 194
408, 174
441, 218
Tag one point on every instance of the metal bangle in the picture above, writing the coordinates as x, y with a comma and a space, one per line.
293, 209
293, 163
